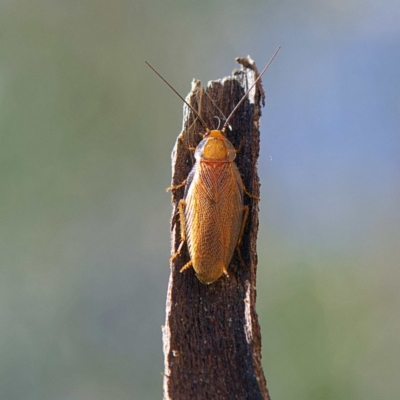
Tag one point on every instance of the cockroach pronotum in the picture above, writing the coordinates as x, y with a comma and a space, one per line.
212, 211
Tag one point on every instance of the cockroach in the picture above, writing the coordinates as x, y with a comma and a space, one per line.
212, 211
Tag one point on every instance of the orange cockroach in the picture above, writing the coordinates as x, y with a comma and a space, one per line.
212, 211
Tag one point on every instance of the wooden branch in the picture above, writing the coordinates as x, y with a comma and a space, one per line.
211, 338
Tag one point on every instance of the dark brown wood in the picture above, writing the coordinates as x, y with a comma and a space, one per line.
211, 337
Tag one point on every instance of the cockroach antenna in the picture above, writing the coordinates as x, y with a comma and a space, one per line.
219, 121
197, 114
248, 91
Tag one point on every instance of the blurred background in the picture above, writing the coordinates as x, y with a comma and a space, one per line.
86, 135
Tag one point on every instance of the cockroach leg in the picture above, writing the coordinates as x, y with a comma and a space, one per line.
176, 254
174, 187
240, 146
244, 219
182, 203
249, 194
240, 257
185, 145
186, 266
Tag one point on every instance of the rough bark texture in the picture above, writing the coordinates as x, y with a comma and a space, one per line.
212, 341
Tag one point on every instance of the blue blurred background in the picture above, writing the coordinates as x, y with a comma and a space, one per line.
86, 135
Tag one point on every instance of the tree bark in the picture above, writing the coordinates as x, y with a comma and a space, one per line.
211, 337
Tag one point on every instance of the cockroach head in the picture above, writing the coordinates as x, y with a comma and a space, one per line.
214, 133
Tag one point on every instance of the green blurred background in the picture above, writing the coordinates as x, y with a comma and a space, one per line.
86, 135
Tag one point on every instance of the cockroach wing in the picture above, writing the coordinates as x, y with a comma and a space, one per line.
213, 216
